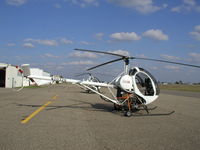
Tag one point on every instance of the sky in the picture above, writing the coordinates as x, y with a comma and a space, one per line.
44, 34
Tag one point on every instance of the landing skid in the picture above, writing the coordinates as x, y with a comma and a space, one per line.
158, 114
130, 113
135, 111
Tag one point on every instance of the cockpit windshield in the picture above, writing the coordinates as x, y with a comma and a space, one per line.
144, 84
145, 81
154, 80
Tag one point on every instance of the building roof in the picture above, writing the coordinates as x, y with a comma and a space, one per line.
2, 65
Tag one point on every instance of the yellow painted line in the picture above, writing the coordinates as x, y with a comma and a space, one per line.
38, 110
55, 97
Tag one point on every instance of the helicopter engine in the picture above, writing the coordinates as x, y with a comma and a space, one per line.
125, 83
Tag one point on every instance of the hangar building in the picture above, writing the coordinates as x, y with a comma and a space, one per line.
10, 76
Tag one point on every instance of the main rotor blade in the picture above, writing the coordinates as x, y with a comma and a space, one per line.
105, 63
171, 62
123, 57
109, 53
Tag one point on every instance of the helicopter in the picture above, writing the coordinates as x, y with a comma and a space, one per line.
136, 87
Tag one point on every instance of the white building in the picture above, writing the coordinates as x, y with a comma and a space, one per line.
40, 72
11, 77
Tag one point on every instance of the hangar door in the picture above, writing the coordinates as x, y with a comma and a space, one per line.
2, 77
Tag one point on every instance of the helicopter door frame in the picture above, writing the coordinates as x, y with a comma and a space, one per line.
147, 98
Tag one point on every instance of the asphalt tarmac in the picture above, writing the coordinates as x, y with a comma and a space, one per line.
63, 117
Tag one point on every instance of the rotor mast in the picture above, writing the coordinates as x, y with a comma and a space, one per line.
126, 65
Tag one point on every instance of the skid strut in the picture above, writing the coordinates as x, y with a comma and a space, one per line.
129, 112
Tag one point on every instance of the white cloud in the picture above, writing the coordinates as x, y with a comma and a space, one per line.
154, 68
176, 9
16, 2
99, 36
28, 45
84, 43
155, 34
194, 57
142, 6
59, 67
47, 42
83, 55
190, 2
142, 56
197, 28
196, 33
186, 6
80, 63
65, 41
11, 44
48, 55
43, 42
125, 36
172, 67
84, 3
165, 56
57, 5
121, 52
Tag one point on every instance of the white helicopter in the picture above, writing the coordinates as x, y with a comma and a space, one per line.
136, 87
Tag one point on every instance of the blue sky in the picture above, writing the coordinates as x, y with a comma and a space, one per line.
45, 32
